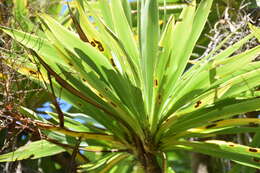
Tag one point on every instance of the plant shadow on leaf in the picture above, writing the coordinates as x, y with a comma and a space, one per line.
86, 59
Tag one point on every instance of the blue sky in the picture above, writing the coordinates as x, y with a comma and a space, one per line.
46, 107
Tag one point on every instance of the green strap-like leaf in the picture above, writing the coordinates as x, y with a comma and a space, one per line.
187, 84
127, 10
255, 30
181, 35
222, 110
239, 153
149, 39
217, 127
106, 13
38, 44
72, 43
105, 163
33, 150
221, 73
123, 30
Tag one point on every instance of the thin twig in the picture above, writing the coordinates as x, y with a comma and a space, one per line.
56, 104
72, 164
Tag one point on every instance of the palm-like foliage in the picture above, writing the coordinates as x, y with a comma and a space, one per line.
143, 90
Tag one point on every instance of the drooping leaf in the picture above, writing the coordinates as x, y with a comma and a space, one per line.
33, 150
239, 153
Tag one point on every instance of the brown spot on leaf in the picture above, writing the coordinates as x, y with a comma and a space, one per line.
84, 80
113, 104
100, 47
210, 126
159, 98
31, 156
93, 43
96, 41
253, 150
231, 145
256, 160
179, 20
167, 120
156, 83
113, 62
32, 72
70, 64
217, 120
100, 95
197, 104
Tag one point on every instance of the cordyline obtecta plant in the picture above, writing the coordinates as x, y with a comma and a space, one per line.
140, 97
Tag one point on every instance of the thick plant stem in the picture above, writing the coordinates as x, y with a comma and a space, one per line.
150, 164
147, 159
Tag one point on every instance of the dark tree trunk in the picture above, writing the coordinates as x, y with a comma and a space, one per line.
200, 163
